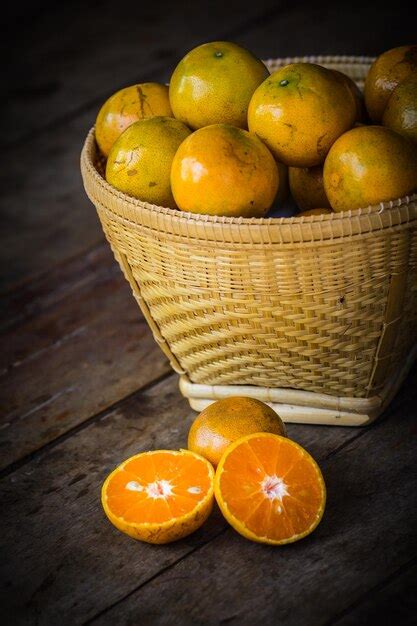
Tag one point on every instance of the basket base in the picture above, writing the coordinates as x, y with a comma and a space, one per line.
291, 413
303, 407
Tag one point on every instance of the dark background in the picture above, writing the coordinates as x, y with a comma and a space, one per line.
62, 60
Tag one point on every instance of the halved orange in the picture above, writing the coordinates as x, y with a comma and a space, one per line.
159, 496
270, 489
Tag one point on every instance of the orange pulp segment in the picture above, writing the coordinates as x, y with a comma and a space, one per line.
270, 489
159, 496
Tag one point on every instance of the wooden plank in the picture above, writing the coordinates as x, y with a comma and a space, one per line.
392, 602
76, 343
47, 217
62, 557
367, 533
35, 297
57, 71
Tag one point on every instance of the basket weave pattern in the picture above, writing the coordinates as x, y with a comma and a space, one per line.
324, 304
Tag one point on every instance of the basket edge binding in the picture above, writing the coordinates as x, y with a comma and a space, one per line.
244, 231
303, 407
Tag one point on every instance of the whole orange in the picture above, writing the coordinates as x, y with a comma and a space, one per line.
214, 83
127, 106
224, 170
300, 111
368, 165
401, 111
140, 160
228, 419
385, 73
361, 113
306, 185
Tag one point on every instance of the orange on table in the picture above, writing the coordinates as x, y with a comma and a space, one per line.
270, 489
385, 73
299, 111
159, 496
306, 186
368, 165
127, 106
224, 170
228, 419
213, 84
401, 111
140, 160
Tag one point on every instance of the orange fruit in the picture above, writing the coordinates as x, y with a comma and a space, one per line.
401, 111
368, 165
385, 73
323, 211
127, 106
270, 489
159, 496
299, 111
306, 185
228, 419
214, 83
139, 162
361, 113
224, 170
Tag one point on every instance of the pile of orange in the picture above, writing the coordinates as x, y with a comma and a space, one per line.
226, 137
268, 487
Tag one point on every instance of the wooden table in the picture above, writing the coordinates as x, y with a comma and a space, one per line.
83, 384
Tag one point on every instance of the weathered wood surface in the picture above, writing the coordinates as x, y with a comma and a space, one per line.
83, 561
83, 385
394, 602
74, 343
93, 452
46, 216
63, 558
363, 538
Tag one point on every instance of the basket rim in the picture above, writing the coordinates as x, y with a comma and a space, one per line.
90, 147
269, 229
324, 58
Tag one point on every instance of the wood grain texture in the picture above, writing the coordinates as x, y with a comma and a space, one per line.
392, 602
53, 567
75, 353
46, 216
61, 558
76, 343
362, 539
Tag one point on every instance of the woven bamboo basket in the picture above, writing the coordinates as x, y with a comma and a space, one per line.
315, 315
